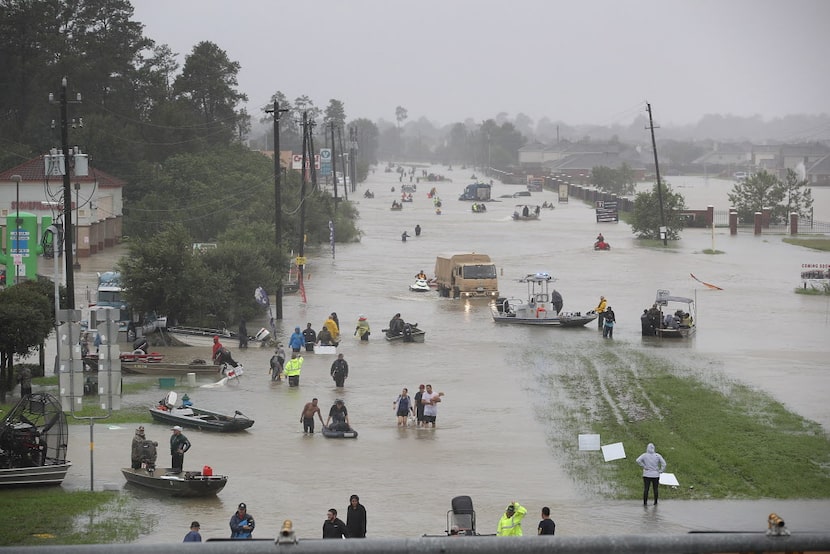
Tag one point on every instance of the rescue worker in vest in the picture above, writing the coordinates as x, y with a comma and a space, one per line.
600, 310
510, 524
334, 330
292, 369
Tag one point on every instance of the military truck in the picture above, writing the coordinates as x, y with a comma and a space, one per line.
466, 275
479, 192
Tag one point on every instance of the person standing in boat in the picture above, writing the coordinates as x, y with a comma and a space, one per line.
135, 452
178, 446
296, 341
396, 325
339, 371
310, 336
600, 310
362, 330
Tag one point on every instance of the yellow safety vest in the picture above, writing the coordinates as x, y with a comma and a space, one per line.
293, 366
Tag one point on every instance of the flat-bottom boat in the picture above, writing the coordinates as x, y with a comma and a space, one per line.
204, 420
184, 484
333, 434
675, 323
412, 334
541, 307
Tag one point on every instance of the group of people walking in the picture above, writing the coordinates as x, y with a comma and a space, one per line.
423, 408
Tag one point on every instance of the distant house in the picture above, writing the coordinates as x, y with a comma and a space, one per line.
578, 167
96, 199
818, 174
727, 155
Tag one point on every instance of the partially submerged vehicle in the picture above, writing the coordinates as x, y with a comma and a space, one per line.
479, 192
543, 306
34, 438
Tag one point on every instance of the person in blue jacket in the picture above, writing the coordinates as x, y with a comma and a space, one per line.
297, 340
242, 523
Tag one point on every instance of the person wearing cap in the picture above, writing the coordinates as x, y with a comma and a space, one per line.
419, 407
193, 535
310, 336
135, 452
510, 524
242, 523
292, 369
277, 363
334, 329
178, 446
338, 417
362, 330
600, 310
339, 371
296, 341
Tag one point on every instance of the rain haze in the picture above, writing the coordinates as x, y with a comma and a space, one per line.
592, 62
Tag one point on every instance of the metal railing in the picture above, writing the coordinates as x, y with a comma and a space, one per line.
693, 543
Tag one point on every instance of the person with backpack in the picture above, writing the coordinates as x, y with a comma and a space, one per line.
339, 371
403, 407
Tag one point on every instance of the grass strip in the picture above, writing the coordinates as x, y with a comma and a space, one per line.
815, 244
52, 516
721, 438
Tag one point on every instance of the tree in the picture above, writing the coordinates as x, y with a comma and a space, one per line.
616, 181
209, 83
646, 221
26, 320
335, 113
367, 140
400, 115
799, 196
762, 190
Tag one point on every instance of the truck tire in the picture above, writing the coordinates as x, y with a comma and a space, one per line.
455, 292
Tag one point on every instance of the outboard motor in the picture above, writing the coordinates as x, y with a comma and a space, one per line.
407, 333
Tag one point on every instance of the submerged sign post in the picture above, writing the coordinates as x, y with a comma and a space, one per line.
607, 212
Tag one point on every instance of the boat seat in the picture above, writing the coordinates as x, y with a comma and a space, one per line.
183, 411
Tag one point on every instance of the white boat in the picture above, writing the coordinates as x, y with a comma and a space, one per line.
203, 336
526, 212
677, 316
541, 307
420, 285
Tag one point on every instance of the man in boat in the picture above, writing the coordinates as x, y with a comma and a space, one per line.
338, 419
307, 416
396, 326
310, 336
339, 371
178, 446
135, 453
654, 317
421, 275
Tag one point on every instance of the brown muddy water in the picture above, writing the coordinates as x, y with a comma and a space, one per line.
489, 443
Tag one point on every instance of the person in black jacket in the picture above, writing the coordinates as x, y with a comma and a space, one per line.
334, 528
310, 336
339, 370
356, 518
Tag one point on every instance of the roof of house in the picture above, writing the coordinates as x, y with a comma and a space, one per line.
821, 167
588, 161
35, 170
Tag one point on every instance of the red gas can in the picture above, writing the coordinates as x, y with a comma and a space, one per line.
207, 471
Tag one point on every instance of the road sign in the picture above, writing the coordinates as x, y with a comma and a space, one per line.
325, 162
301, 260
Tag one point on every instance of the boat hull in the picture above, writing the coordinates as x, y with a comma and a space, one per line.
565, 320
329, 434
185, 484
34, 476
203, 420
417, 336
162, 368
681, 333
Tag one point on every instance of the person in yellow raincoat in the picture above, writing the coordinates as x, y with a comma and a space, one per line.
334, 329
600, 310
362, 330
510, 524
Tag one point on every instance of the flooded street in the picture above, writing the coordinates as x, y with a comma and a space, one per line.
489, 443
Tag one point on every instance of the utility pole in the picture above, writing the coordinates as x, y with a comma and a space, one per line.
334, 166
343, 159
67, 198
312, 166
663, 229
353, 156
301, 257
277, 198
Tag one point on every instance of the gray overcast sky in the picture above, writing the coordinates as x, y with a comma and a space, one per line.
584, 61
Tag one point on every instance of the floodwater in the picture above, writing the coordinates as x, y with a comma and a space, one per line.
489, 443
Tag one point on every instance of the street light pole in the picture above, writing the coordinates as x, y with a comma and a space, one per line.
277, 196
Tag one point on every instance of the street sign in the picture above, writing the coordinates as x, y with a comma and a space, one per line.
301, 260
325, 162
